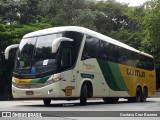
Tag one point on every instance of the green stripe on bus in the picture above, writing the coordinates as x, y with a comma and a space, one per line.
112, 75
108, 75
118, 76
40, 80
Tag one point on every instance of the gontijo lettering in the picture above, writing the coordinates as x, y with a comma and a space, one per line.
135, 73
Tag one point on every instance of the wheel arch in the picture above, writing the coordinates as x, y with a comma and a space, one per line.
138, 86
145, 87
89, 84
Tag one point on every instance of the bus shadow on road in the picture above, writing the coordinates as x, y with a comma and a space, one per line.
90, 103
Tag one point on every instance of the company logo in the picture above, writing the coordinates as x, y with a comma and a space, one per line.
88, 66
135, 73
68, 90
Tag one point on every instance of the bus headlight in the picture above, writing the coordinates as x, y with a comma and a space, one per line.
57, 79
14, 84
53, 80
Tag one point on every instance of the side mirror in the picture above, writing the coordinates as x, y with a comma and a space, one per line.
57, 42
7, 50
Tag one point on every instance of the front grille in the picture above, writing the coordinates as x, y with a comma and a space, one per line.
29, 86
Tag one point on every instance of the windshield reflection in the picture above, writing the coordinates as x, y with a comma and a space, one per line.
35, 54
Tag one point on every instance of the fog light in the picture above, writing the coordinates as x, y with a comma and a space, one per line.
14, 93
51, 90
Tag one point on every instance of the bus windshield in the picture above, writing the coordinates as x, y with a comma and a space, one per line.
35, 56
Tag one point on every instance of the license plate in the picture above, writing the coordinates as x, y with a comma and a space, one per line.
29, 93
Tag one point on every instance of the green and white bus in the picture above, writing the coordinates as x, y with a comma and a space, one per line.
72, 62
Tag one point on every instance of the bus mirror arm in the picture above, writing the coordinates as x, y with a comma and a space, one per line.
7, 50
57, 42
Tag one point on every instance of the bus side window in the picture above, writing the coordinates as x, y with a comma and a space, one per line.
75, 47
91, 48
66, 57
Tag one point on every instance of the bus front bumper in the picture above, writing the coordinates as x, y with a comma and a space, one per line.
49, 91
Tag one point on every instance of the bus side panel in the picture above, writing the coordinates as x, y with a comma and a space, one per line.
107, 80
113, 78
123, 80
67, 87
89, 70
116, 80
136, 76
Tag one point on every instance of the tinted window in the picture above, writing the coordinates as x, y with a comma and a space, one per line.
75, 45
90, 48
66, 57
128, 58
109, 52
43, 55
95, 48
25, 52
145, 63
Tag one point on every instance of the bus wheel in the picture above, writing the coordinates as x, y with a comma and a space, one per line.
83, 96
47, 101
131, 99
110, 100
138, 97
144, 95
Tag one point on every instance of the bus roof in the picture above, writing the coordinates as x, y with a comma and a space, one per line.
83, 30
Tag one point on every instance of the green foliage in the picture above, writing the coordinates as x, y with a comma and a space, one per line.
61, 12
151, 42
86, 19
12, 34
128, 37
19, 11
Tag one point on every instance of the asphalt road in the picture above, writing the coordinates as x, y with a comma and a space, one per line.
67, 110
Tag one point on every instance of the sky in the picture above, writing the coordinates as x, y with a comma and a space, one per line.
133, 2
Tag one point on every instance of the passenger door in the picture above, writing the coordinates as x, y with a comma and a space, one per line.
66, 86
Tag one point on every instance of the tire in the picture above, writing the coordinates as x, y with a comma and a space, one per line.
144, 95
132, 99
83, 96
110, 100
138, 97
47, 102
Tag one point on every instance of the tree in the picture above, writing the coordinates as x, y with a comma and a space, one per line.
129, 37
86, 19
61, 12
132, 30
111, 16
151, 41
19, 11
